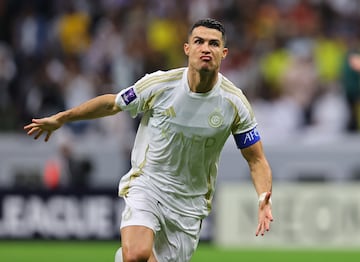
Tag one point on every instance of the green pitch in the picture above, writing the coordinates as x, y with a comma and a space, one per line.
75, 251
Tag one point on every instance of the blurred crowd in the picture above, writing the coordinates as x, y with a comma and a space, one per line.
297, 60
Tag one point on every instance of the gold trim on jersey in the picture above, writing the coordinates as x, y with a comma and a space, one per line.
125, 190
151, 100
229, 87
158, 79
170, 112
236, 121
208, 195
210, 185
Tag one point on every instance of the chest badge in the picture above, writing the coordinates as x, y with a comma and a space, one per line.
215, 119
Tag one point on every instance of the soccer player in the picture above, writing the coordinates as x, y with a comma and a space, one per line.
188, 114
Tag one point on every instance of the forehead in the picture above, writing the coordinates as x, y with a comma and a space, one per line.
206, 33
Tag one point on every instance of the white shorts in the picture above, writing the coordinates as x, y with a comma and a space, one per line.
176, 236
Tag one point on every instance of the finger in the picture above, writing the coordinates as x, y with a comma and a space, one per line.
258, 230
32, 130
267, 225
262, 229
48, 136
39, 134
270, 216
34, 123
29, 126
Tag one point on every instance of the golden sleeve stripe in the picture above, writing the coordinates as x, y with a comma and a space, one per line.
150, 101
157, 79
236, 117
228, 87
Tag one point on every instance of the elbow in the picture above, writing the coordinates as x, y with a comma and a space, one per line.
111, 107
114, 109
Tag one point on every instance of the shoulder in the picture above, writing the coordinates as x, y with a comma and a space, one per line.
160, 77
230, 90
235, 96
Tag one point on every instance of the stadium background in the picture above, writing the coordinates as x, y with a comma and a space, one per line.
294, 59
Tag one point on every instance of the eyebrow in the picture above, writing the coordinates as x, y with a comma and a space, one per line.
210, 40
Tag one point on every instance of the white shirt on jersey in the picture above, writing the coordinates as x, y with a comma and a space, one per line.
177, 147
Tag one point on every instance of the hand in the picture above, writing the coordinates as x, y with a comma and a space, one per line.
264, 215
39, 126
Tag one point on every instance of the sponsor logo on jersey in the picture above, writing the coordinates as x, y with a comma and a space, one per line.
129, 95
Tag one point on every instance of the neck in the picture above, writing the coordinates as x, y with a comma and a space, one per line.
201, 81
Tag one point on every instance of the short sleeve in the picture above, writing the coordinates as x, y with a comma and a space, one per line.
128, 100
136, 99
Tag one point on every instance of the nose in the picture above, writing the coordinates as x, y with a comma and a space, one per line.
205, 48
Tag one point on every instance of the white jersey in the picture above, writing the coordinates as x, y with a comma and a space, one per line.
176, 152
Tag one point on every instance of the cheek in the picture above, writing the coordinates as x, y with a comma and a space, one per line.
189, 51
192, 53
219, 57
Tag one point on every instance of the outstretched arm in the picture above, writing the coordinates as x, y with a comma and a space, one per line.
262, 179
94, 108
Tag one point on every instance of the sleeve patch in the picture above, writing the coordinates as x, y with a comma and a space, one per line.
129, 95
247, 139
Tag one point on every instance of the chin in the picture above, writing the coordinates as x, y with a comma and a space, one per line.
206, 69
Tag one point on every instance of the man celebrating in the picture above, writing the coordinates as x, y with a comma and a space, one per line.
188, 114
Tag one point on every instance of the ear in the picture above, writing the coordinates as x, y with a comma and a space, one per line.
186, 48
225, 52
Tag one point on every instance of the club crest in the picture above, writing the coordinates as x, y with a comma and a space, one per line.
216, 119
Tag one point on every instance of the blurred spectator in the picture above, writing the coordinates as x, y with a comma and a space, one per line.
7, 75
55, 54
164, 36
280, 119
328, 55
298, 61
30, 32
274, 63
351, 84
44, 96
299, 81
303, 18
74, 30
78, 168
201, 8
330, 113
77, 89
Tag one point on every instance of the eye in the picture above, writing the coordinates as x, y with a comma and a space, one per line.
214, 43
198, 41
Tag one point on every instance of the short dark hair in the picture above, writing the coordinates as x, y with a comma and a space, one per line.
210, 23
